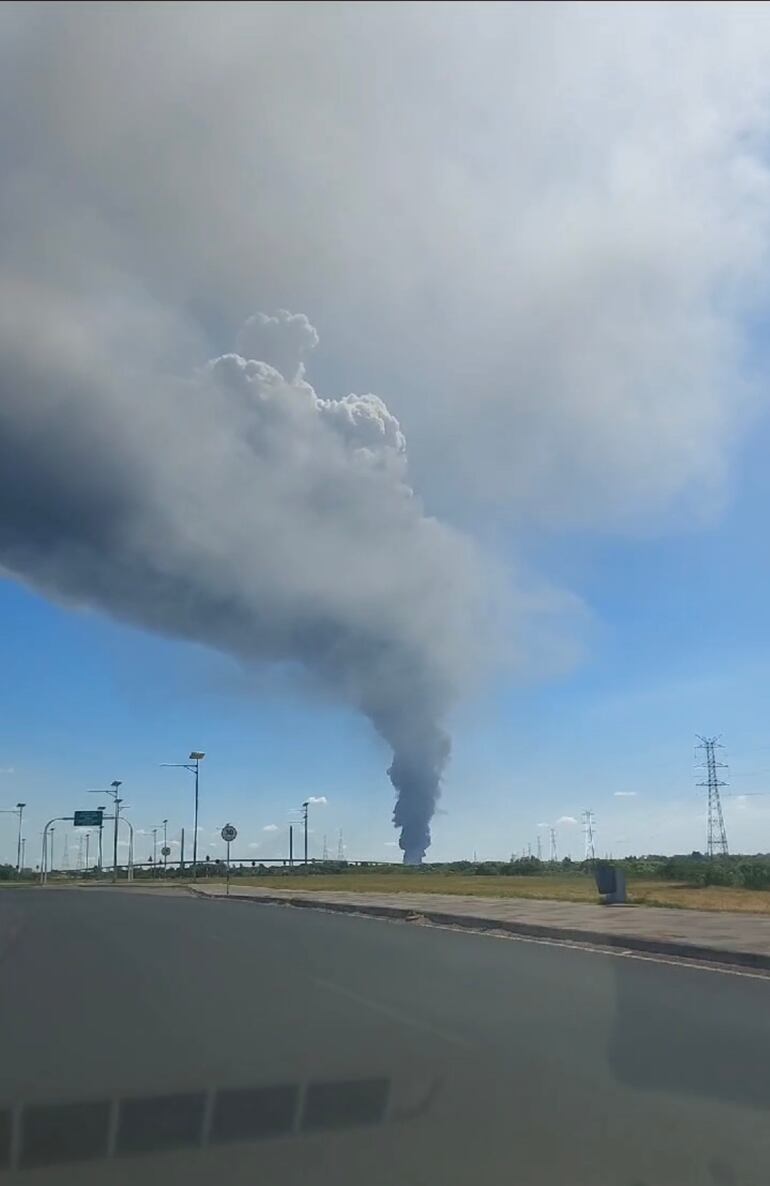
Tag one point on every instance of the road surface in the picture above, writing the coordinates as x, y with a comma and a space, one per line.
156, 1037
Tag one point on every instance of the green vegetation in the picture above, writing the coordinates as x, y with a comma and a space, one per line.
8, 875
741, 872
688, 882
739, 883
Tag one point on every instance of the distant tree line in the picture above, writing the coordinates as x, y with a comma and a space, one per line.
695, 868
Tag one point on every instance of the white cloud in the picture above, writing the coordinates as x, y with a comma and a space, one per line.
319, 800
254, 844
624, 794
566, 820
391, 844
543, 825
270, 828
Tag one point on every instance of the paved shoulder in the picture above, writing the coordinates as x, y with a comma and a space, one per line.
694, 934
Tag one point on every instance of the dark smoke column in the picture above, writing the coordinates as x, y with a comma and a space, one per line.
416, 775
330, 563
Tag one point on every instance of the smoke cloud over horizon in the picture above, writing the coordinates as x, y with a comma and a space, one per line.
240, 509
541, 232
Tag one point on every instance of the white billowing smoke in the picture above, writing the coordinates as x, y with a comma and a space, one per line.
240, 509
559, 216
281, 341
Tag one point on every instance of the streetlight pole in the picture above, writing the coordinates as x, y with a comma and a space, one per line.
51, 858
165, 846
196, 757
88, 845
125, 820
23, 852
130, 873
44, 852
101, 842
17, 810
305, 806
20, 808
115, 786
113, 789
154, 848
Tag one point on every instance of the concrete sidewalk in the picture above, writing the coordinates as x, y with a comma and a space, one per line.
689, 934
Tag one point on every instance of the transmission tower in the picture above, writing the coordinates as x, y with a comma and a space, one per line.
716, 836
554, 858
589, 822
65, 861
325, 853
340, 847
539, 848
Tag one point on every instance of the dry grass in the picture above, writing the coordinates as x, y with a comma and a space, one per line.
561, 888
571, 889
694, 897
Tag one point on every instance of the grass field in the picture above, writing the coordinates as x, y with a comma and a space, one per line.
566, 889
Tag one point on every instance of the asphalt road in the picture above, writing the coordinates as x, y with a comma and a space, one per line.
155, 1037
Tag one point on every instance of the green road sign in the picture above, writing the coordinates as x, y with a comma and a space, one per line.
87, 819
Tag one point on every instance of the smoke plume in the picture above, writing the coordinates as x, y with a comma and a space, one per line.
544, 232
236, 507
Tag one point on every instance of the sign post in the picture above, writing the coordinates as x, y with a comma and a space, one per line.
228, 835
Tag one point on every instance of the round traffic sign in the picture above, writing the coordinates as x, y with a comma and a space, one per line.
165, 851
229, 833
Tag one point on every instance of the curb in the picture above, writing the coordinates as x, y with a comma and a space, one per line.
691, 951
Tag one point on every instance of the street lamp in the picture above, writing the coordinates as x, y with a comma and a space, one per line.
165, 846
196, 757
113, 789
20, 808
17, 810
101, 843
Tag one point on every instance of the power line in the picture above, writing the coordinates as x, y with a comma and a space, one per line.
589, 823
554, 858
340, 847
716, 835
